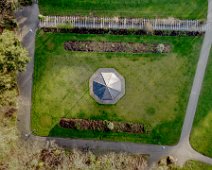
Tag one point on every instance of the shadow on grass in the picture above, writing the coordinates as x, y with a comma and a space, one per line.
167, 132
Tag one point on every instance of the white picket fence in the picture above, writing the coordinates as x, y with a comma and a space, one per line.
122, 23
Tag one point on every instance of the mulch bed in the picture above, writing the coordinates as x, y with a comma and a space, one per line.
100, 125
92, 46
121, 32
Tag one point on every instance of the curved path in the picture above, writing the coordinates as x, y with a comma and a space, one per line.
28, 22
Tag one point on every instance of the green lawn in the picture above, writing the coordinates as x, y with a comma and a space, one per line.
157, 86
201, 136
195, 165
192, 9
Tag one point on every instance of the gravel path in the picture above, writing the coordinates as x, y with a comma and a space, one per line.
28, 22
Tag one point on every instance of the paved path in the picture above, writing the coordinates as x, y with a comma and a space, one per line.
28, 22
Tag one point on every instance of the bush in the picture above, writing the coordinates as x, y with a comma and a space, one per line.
10, 66
41, 17
110, 126
160, 48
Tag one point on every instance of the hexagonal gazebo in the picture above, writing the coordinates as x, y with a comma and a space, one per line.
107, 86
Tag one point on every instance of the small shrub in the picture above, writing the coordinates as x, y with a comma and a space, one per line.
41, 17
110, 126
77, 125
160, 48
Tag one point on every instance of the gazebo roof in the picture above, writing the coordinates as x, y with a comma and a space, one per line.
107, 86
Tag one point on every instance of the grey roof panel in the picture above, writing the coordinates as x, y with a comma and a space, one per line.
99, 79
114, 92
106, 77
115, 86
107, 95
107, 86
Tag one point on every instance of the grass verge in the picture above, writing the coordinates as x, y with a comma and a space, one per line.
192, 9
195, 165
201, 136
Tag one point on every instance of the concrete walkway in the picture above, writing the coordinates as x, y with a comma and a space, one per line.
28, 22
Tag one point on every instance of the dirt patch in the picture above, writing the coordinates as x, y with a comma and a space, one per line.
92, 46
100, 125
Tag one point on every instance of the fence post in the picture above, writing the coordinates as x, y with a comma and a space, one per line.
124, 23
55, 23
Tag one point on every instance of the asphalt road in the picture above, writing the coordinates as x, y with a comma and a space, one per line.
28, 22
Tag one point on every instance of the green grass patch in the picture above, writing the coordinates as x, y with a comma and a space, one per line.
195, 165
201, 136
192, 9
157, 86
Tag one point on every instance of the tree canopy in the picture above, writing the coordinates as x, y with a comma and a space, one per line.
7, 19
13, 58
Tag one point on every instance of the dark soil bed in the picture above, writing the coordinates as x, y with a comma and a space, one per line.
91, 46
100, 125
121, 32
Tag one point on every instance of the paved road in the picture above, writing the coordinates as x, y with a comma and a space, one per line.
27, 19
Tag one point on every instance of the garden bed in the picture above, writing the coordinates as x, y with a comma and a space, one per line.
92, 46
100, 125
121, 31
